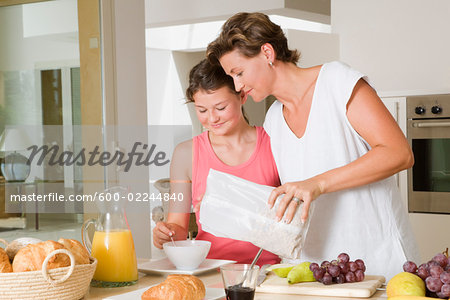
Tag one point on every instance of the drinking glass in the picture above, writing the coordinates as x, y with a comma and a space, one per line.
239, 281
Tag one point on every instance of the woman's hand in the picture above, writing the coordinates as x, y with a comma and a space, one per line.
306, 191
163, 231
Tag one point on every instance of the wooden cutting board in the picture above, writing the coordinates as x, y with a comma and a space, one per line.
364, 289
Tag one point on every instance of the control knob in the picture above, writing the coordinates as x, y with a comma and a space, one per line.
436, 109
420, 110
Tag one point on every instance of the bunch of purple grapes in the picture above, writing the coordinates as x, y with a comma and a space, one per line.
435, 273
340, 270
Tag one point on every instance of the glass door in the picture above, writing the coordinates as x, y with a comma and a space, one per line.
43, 47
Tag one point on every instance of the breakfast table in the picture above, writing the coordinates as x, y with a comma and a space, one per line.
211, 279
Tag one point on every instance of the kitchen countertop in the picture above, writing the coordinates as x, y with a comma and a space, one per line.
210, 279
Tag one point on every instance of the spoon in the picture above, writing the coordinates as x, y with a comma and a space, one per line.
251, 267
173, 242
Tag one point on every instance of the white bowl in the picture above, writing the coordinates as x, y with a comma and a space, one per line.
188, 254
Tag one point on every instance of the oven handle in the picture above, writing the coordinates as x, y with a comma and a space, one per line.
431, 124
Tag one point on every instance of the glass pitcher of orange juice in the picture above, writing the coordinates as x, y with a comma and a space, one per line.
112, 244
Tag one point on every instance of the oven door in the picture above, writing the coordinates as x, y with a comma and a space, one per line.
429, 178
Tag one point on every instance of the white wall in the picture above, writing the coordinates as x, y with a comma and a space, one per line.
316, 48
163, 12
403, 45
126, 85
196, 36
53, 17
18, 52
166, 83
431, 231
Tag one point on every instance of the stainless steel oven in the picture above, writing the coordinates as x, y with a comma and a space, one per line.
428, 132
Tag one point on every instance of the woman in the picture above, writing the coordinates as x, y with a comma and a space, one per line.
332, 139
229, 145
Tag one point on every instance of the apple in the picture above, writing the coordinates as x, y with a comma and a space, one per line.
404, 284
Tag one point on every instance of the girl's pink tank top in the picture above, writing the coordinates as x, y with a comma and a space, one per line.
259, 168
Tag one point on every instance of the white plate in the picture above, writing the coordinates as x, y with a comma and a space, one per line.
164, 265
211, 294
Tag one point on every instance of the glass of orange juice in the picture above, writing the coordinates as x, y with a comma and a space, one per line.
112, 244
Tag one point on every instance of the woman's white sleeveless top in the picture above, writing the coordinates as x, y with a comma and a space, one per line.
368, 222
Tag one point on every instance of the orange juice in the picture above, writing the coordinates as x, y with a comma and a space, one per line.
116, 257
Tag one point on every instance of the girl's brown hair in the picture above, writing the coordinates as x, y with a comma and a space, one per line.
247, 32
208, 77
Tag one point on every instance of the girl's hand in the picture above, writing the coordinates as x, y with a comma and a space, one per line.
163, 231
306, 191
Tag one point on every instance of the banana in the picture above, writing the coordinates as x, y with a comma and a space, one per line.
300, 273
282, 272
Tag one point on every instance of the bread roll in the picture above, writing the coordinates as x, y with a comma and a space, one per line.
5, 265
18, 244
78, 250
31, 257
175, 287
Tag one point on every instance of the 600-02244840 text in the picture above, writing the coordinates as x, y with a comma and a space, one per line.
56, 197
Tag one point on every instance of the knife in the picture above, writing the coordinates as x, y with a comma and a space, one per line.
262, 275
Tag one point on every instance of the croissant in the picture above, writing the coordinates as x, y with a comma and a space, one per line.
31, 257
78, 250
175, 287
5, 265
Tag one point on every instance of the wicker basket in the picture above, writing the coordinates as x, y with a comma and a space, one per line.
61, 283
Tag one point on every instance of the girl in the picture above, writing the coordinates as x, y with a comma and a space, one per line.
229, 145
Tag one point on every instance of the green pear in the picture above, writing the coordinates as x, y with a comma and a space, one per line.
300, 273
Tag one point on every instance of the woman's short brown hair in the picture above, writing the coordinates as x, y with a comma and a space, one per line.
247, 32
